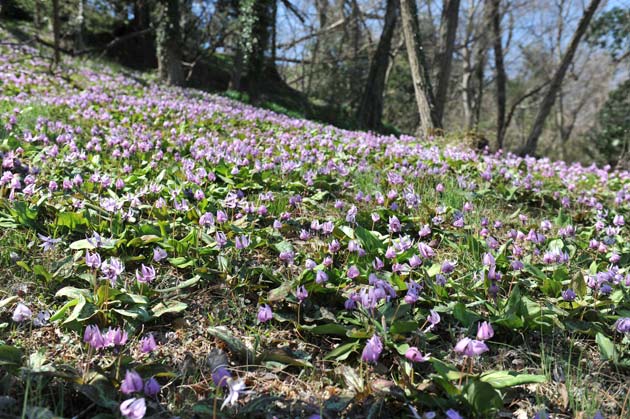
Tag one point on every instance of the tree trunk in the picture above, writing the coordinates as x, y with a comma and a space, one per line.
168, 43
371, 104
56, 32
80, 27
37, 19
444, 58
556, 81
499, 68
419, 68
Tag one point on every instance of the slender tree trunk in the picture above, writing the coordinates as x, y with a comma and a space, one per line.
38, 14
419, 68
444, 58
80, 26
56, 33
499, 68
168, 43
371, 104
556, 81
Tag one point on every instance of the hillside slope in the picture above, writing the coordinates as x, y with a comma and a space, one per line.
167, 251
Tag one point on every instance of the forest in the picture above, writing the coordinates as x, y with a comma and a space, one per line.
543, 77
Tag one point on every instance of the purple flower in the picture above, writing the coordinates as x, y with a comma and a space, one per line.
301, 293
447, 267
453, 414
619, 220
414, 355
159, 254
488, 259
93, 337
132, 382
242, 242
372, 350
484, 331
623, 325
220, 376
115, 337
264, 313
112, 269
470, 347
568, 295
426, 251
439, 188
310, 264
151, 387
48, 243
321, 277
146, 274
21, 313
133, 408
415, 261
235, 386
433, 319
394, 224
93, 260
147, 344
287, 256
353, 272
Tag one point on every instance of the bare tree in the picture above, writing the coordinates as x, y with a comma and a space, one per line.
499, 69
371, 104
56, 33
168, 42
556, 81
419, 68
444, 56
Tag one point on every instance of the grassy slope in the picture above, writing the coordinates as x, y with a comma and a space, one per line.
307, 358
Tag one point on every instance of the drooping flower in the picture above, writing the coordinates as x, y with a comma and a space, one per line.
47, 242
235, 386
115, 337
470, 347
433, 319
264, 313
21, 313
147, 344
132, 383
353, 272
301, 293
484, 331
93, 260
623, 325
151, 387
372, 350
146, 274
321, 277
220, 376
414, 355
93, 337
568, 295
453, 414
133, 408
112, 269
159, 254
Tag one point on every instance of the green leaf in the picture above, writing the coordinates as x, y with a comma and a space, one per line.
280, 293
503, 379
368, 240
168, 307
76, 312
482, 397
81, 245
10, 356
235, 345
342, 352
182, 285
403, 327
327, 329
283, 357
606, 348
8, 300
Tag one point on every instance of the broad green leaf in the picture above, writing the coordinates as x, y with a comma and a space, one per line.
168, 307
606, 348
503, 379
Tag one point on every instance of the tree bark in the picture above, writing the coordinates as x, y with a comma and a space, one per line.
499, 69
419, 68
444, 57
371, 104
56, 32
556, 81
169, 43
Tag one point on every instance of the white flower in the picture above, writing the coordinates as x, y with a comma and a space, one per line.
235, 386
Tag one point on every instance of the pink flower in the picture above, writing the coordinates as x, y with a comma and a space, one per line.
470, 347
372, 350
133, 408
414, 355
484, 331
264, 313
